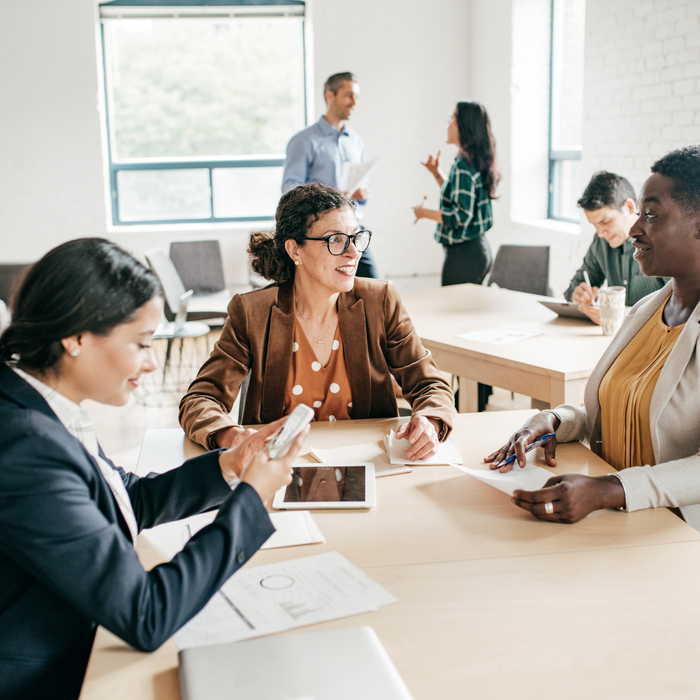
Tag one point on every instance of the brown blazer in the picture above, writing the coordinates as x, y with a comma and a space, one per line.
378, 340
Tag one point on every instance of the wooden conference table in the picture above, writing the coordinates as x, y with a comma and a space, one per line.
551, 368
492, 602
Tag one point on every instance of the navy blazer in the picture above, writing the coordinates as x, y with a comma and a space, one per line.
67, 563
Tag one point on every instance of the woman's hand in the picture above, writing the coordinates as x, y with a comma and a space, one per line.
433, 165
230, 437
422, 213
571, 497
267, 475
422, 433
539, 425
249, 442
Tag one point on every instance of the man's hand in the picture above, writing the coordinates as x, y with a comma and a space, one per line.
360, 194
593, 312
583, 294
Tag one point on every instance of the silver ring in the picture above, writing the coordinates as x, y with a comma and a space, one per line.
549, 508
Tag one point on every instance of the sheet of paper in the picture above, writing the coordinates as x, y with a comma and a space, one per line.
368, 452
283, 596
447, 453
503, 335
529, 478
355, 173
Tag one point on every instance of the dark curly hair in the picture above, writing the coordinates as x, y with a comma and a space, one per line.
477, 144
296, 212
683, 167
89, 285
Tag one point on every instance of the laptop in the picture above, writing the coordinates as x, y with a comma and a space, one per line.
569, 309
340, 664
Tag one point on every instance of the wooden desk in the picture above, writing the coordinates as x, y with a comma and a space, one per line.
552, 368
492, 603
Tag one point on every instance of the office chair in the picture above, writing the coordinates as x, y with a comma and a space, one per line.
522, 268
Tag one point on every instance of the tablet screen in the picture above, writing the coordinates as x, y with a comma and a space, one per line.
326, 484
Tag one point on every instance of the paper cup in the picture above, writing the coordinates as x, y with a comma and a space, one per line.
612, 309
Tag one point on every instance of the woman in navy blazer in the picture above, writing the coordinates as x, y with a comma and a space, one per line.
82, 326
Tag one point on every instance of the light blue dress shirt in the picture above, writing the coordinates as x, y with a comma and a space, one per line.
317, 154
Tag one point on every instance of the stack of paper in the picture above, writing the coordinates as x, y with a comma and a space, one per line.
447, 452
360, 453
529, 478
284, 596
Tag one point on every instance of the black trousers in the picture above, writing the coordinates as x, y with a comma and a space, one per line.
465, 262
469, 262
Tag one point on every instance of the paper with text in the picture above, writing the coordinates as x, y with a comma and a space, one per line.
354, 174
283, 596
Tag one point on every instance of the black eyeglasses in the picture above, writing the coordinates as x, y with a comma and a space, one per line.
338, 243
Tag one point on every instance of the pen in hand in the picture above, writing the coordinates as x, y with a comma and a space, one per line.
538, 443
590, 287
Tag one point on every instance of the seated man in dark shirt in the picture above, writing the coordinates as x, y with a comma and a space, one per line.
610, 204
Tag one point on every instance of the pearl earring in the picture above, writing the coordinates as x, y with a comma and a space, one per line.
75, 352
296, 262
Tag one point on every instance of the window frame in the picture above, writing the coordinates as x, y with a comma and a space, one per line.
556, 155
145, 9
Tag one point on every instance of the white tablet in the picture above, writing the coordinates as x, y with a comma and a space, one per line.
346, 485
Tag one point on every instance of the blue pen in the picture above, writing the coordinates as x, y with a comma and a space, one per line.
531, 446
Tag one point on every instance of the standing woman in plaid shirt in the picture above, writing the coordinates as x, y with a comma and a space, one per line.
465, 212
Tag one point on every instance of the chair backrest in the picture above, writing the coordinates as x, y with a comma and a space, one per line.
522, 268
181, 315
173, 289
10, 277
200, 265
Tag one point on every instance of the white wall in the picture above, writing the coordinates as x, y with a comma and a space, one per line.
413, 66
642, 83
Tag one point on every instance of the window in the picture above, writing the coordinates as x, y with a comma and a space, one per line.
200, 104
566, 108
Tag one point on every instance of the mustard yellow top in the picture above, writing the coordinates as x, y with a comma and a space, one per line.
325, 389
626, 390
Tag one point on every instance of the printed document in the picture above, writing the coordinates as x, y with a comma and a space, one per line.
283, 596
354, 174
503, 335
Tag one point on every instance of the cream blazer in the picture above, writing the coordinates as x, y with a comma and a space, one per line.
674, 417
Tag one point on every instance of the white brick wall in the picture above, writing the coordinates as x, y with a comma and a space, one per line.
642, 83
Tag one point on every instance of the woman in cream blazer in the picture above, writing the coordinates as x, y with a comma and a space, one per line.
667, 237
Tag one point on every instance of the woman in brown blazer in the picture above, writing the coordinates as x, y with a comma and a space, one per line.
317, 336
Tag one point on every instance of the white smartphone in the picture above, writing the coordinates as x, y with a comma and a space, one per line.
298, 419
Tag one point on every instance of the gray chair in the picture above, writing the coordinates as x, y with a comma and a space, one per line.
203, 307
522, 268
10, 277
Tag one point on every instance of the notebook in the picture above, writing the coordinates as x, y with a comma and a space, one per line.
341, 664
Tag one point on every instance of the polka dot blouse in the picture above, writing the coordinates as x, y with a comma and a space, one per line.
325, 389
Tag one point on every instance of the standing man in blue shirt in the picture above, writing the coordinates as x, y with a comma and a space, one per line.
317, 153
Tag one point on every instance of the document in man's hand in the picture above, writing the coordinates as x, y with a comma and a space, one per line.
354, 174
284, 596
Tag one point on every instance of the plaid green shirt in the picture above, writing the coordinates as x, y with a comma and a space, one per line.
617, 266
465, 205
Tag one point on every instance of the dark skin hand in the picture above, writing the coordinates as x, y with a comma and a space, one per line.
573, 496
